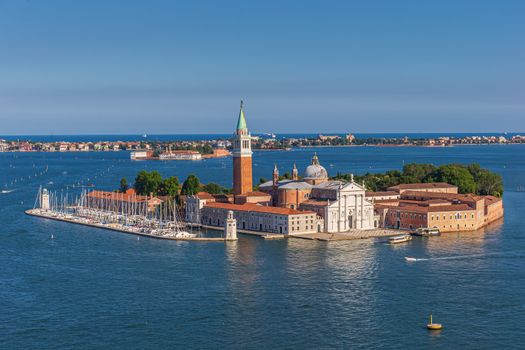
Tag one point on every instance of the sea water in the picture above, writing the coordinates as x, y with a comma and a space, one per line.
69, 286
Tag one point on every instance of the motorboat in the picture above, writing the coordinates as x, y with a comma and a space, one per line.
399, 239
426, 232
410, 259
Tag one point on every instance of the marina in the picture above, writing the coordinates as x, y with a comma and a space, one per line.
122, 213
152, 233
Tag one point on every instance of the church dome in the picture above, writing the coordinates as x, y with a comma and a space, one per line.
315, 171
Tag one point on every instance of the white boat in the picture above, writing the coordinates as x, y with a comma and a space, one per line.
185, 234
410, 259
426, 232
399, 239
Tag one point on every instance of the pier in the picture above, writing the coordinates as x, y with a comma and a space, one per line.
114, 226
261, 234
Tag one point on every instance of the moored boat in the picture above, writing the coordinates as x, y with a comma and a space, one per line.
426, 232
185, 234
399, 239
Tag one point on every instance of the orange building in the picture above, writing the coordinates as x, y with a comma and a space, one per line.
254, 198
448, 212
242, 157
127, 202
255, 217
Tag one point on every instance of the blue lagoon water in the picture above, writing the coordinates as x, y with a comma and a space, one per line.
89, 288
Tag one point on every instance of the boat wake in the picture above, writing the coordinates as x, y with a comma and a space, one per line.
469, 256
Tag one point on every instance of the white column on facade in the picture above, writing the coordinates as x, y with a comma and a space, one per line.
339, 215
343, 217
362, 209
354, 217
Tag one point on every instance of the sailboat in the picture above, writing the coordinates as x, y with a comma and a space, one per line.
179, 227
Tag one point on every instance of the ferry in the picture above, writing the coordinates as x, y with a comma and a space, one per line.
399, 239
426, 232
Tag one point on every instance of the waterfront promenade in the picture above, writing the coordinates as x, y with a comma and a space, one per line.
319, 236
349, 235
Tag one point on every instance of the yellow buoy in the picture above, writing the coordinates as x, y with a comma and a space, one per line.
434, 326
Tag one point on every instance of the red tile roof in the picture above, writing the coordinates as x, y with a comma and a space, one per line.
204, 195
381, 193
315, 202
258, 208
450, 196
254, 194
491, 200
427, 209
429, 185
122, 197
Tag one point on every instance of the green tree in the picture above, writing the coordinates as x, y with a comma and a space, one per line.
469, 179
213, 188
457, 175
170, 187
123, 185
286, 176
414, 173
148, 182
488, 183
191, 185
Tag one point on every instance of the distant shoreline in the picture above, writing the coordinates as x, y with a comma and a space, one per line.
205, 156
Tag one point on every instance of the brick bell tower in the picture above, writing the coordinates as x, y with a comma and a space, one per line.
242, 157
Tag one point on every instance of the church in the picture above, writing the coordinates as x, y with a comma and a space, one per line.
342, 206
303, 204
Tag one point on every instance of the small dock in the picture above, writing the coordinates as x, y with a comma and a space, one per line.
264, 235
119, 228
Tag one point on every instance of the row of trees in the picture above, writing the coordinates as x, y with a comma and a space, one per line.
147, 183
469, 178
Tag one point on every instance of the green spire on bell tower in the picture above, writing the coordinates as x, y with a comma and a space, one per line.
241, 123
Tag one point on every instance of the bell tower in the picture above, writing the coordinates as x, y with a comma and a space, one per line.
275, 175
242, 157
295, 173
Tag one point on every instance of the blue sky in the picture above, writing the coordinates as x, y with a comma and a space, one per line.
70, 67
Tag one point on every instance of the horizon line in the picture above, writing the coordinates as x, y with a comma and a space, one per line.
276, 133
